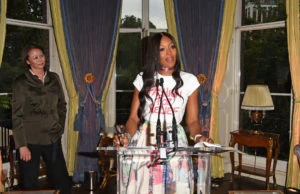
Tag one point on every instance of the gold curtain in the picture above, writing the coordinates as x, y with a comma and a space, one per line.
73, 95
170, 17
113, 62
2, 27
226, 35
293, 36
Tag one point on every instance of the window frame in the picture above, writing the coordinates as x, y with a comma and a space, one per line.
250, 160
53, 58
53, 55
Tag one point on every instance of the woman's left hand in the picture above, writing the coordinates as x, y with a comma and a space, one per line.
25, 153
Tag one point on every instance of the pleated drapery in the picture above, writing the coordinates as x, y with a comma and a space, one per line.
72, 93
170, 17
89, 41
293, 36
3, 6
225, 39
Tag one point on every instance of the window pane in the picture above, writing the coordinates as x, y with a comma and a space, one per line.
274, 121
16, 39
263, 11
123, 106
132, 12
264, 60
12, 65
128, 60
29, 10
157, 14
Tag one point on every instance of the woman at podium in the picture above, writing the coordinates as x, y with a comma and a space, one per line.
163, 94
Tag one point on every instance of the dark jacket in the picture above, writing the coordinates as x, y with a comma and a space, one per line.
38, 110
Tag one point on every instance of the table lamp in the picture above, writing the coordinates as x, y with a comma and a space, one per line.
257, 100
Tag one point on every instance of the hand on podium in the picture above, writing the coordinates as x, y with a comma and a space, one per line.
121, 140
201, 138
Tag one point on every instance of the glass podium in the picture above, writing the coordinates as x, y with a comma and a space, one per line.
150, 156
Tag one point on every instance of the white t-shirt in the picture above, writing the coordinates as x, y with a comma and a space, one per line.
190, 84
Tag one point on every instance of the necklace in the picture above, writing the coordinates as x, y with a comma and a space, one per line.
166, 68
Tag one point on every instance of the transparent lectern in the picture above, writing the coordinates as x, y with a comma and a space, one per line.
131, 156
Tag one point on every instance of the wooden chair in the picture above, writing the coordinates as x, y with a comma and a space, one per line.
105, 160
297, 151
14, 165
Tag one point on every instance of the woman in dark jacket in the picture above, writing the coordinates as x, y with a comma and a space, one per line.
39, 113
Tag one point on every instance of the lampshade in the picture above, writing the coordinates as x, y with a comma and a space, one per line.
257, 97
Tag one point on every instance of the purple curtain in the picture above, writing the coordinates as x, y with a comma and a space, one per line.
90, 29
199, 25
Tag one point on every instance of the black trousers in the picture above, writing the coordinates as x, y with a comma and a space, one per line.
56, 166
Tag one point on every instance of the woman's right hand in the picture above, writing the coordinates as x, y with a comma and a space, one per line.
120, 140
25, 153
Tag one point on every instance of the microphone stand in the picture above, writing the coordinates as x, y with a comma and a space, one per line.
159, 133
158, 125
174, 123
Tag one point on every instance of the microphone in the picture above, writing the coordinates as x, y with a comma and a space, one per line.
174, 123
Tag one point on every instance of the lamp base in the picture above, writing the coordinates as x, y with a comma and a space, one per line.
256, 117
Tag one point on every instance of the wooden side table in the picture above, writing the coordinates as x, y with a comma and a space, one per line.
249, 138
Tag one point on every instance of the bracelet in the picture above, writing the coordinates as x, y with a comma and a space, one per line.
196, 136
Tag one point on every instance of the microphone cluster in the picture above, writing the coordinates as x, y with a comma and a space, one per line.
174, 123
161, 135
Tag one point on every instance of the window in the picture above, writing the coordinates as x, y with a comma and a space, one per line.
139, 19
264, 60
28, 22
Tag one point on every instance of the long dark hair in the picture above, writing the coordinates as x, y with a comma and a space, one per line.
25, 52
151, 66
